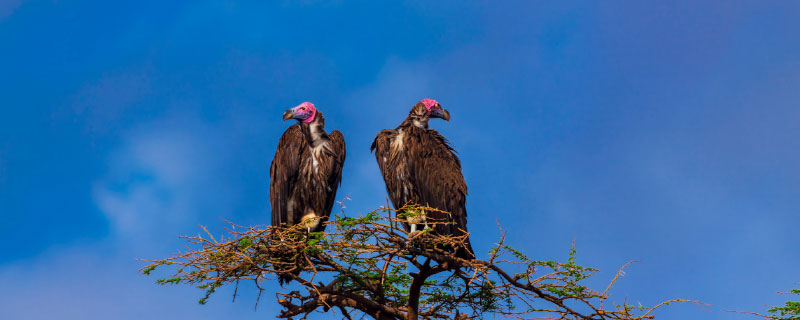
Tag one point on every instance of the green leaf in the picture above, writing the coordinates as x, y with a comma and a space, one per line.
148, 270
245, 243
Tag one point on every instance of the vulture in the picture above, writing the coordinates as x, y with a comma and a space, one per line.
419, 166
306, 170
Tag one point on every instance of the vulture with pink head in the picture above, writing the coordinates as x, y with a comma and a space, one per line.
306, 170
419, 166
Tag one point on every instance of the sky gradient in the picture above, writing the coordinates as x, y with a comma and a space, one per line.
666, 133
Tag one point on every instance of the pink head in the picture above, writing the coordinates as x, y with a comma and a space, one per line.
435, 109
428, 103
305, 112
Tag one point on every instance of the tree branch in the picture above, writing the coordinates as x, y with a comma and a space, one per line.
375, 270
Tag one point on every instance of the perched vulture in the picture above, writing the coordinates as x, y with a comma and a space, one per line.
306, 170
420, 167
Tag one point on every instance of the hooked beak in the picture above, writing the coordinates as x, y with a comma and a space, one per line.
288, 114
441, 113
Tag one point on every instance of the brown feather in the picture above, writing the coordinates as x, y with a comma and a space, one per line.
283, 172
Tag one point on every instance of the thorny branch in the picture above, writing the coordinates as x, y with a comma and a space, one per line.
368, 266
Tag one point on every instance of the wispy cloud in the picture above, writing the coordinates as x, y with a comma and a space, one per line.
100, 282
161, 176
8, 7
163, 179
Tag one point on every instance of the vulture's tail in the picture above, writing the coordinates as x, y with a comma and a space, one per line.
285, 279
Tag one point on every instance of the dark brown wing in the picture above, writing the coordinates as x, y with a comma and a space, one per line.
381, 146
390, 163
436, 173
337, 146
283, 172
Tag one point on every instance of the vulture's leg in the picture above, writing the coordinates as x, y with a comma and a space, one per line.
415, 219
310, 221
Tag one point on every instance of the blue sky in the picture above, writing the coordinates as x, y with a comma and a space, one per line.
660, 132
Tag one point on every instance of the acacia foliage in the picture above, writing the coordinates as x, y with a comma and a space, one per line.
371, 266
790, 310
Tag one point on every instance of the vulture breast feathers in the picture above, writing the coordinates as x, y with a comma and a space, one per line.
306, 171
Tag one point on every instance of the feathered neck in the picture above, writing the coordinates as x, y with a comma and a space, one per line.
314, 131
417, 117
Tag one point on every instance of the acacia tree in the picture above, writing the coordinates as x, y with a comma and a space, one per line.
371, 266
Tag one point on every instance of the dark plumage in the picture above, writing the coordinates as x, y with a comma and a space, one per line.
420, 167
306, 170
